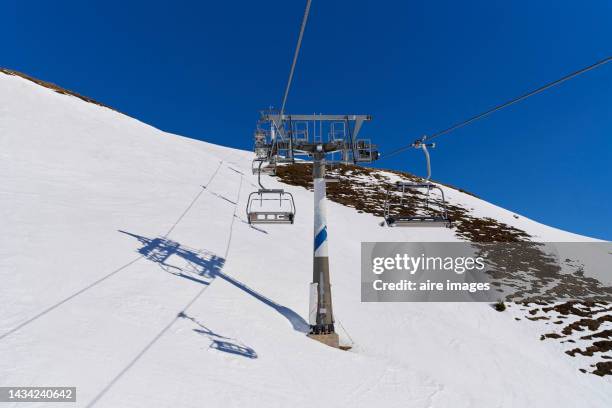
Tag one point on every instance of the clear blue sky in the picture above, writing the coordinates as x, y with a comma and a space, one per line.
204, 69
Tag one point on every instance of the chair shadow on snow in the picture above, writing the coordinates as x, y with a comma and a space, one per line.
203, 267
221, 343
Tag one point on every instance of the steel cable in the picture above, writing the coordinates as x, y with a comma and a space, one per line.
502, 106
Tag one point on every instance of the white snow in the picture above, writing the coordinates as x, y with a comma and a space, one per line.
80, 306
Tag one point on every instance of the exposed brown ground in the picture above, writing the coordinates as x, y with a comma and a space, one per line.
591, 316
53, 86
364, 189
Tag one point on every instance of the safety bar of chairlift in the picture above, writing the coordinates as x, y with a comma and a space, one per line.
445, 212
280, 199
428, 186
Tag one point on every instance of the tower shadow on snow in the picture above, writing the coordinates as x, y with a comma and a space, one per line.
203, 267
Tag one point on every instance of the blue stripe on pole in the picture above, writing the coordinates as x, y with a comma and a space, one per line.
320, 238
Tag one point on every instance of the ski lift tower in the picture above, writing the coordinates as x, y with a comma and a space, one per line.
304, 135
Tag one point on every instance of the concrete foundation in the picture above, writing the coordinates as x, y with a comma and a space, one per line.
330, 339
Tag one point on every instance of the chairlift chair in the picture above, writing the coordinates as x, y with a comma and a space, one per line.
364, 151
300, 131
432, 220
261, 148
259, 136
337, 131
259, 210
256, 166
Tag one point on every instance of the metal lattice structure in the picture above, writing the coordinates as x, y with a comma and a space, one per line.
281, 138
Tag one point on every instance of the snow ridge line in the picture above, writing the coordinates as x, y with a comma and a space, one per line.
105, 277
174, 320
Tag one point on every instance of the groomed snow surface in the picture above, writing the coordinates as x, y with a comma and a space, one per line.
125, 277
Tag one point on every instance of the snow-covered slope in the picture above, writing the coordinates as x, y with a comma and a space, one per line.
128, 271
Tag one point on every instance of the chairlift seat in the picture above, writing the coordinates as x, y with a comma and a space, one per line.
420, 221
402, 185
270, 217
265, 170
285, 213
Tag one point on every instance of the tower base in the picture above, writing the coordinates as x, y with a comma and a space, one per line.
330, 339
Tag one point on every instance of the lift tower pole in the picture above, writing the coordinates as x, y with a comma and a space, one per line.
284, 148
321, 314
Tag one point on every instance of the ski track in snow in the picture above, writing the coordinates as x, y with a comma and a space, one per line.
61, 302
